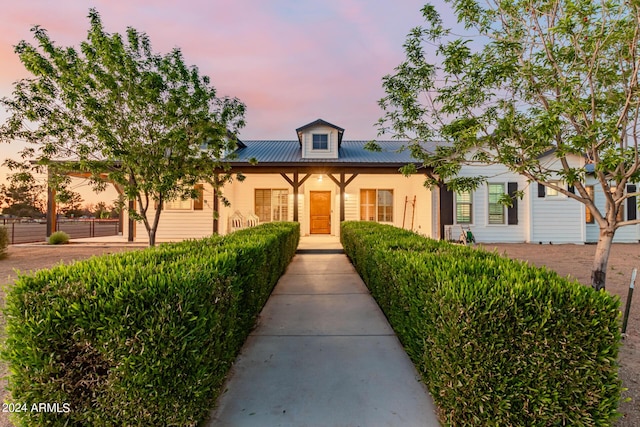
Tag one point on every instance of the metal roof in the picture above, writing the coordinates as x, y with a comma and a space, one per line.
266, 152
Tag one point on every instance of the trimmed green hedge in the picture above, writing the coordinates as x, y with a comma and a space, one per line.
497, 342
140, 338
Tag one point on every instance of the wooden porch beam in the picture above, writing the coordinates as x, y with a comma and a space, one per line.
342, 185
295, 183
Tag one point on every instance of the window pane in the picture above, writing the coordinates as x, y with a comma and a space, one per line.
463, 207
178, 205
320, 141
385, 205
263, 205
588, 214
496, 210
279, 205
367, 205
552, 192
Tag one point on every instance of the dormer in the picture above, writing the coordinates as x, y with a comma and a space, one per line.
320, 140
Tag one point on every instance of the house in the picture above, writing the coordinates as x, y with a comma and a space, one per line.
318, 179
543, 215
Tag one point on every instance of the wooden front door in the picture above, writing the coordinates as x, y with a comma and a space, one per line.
320, 207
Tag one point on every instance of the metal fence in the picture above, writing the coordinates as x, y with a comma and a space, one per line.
29, 231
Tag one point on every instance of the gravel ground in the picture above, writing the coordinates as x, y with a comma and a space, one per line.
572, 260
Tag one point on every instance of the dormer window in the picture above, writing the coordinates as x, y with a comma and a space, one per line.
320, 141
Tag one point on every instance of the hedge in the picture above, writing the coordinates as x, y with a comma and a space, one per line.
496, 341
141, 338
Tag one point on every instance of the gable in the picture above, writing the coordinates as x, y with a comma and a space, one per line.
320, 140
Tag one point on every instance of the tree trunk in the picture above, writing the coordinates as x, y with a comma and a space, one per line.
152, 237
600, 261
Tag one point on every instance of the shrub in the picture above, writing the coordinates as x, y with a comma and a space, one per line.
4, 242
497, 342
58, 238
140, 338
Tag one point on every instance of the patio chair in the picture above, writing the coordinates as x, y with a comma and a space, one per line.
236, 221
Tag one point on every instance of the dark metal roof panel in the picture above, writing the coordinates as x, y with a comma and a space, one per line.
350, 152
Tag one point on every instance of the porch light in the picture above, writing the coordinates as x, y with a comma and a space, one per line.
320, 178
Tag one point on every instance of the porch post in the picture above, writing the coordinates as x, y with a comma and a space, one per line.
51, 210
296, 183
216, 212
342, 188
342, 185
131, 232
296, 186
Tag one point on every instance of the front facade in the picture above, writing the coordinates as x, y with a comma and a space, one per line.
543, 215
318, 180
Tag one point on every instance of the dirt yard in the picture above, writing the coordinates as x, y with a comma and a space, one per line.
572, 260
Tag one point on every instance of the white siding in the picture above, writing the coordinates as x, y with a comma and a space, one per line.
626, 234
556, 220
176, 225
492, 233
241, 195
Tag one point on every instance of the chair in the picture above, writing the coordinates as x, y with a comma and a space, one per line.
252, 220
236, 221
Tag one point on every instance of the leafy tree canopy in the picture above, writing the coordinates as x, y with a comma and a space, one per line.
152, 123
527, 78
22, 197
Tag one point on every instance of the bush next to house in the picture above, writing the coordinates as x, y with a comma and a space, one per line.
139, 338
497, 342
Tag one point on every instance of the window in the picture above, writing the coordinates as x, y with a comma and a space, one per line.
178, 205
464, 207
185, 205
552, 192
376, 205
271, 205
621, 209
588, 214
496, 209
320, 141
198, 204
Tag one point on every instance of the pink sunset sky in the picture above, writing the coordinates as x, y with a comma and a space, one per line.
289, 61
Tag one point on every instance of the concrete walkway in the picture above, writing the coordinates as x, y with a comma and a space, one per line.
323, 354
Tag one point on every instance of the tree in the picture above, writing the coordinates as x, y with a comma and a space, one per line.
70, 202
102, 211
23, 196
152, 123
528, 77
